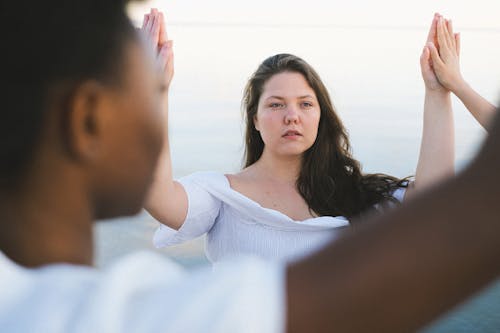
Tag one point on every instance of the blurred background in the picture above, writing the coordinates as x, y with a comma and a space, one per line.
367, 53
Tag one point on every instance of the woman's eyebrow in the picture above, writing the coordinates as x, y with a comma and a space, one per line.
275, 97
282, 98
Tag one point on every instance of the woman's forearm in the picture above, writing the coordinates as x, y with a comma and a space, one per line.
478, 106
437, 150
167, 200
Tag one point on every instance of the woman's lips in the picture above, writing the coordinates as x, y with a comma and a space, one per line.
291, 134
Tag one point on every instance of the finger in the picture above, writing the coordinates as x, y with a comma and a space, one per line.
163, 37
451, 36
149, 25
436, 59
435, 41
442, 33
163, 55
155, 30
457, 42
424, 59
166, 57
145, 21
170, 60
432, 31
154, 18
449, 26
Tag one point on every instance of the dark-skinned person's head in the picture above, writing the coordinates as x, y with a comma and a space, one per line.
80, 104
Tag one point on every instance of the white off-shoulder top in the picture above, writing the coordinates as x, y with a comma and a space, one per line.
236, 225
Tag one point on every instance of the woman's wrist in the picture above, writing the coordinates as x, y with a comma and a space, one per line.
461, 89
437, 92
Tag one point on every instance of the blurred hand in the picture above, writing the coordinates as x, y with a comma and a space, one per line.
154, 29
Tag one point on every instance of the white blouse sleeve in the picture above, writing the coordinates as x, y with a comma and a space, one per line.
399, 194
203, 209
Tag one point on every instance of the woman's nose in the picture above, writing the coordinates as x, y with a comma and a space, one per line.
291, 115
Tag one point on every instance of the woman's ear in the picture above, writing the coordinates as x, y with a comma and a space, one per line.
256, 123
85, 114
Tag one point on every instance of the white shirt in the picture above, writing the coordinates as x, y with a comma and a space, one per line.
236, 225
142, 293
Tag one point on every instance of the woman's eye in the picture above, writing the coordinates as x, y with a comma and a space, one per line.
275, 105
307, 105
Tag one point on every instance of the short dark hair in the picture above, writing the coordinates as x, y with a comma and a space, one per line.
49, 43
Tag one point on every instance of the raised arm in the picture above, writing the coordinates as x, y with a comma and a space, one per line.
167, 200
447, 68
437, 150
407, 267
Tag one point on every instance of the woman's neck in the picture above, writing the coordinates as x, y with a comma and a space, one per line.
282, 169
42, 225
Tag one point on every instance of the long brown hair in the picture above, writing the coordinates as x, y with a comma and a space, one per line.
330, 179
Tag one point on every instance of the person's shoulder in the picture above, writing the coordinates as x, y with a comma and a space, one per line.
144, 261
205, 178
241, 178
132, 265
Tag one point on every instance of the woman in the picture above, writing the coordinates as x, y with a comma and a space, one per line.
300, 185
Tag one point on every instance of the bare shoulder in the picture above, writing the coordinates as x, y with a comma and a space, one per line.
247, 182
242, 179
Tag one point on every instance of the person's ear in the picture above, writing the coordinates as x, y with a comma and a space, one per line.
256, 123
85, 117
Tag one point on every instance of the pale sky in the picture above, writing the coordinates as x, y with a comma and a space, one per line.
478, 14
367, 53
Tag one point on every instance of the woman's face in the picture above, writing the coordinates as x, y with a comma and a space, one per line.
288, 115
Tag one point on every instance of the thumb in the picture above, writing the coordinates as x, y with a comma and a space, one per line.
457, 42
425, 58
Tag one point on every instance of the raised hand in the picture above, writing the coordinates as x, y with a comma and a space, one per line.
154, 29
436, 159
430, 79
446, 55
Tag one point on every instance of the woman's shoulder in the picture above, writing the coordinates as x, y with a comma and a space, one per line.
238, 178
204, 177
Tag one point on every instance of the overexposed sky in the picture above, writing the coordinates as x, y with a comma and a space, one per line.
478, 14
